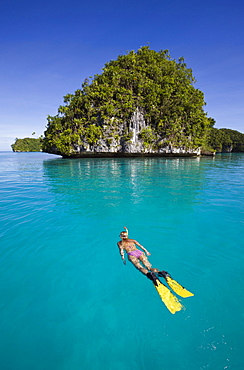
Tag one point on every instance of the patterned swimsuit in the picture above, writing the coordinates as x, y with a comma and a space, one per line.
135, 253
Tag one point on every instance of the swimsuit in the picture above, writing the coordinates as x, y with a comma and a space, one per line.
138, 256
135, 253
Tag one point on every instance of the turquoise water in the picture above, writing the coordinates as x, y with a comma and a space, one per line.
67, 300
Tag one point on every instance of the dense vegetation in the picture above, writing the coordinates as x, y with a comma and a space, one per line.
160, 87
27, 145
225, 140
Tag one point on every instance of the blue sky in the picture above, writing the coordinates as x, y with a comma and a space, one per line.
48, 48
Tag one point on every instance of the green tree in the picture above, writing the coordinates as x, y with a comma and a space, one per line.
27, 145
236, 137
217, 139
159, 86
225, 140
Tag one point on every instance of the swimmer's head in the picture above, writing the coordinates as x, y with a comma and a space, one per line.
123, 235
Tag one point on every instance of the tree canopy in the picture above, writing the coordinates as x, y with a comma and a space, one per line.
27, 145
159, 86
225, 140
237, 139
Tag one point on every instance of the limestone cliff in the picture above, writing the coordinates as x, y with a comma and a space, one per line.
118, 144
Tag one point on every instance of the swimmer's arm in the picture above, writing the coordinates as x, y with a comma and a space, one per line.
144, 249
121, 251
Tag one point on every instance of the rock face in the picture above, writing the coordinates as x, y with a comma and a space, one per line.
118, 144
227, 148
135, 145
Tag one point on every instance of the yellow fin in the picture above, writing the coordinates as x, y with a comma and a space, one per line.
177, 288
170, 301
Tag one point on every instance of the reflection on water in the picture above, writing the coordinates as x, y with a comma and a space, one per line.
127, 183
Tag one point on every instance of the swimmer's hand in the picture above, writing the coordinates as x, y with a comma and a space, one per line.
124, 261
148, 253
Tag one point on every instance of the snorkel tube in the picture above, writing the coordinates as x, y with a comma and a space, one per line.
127, 231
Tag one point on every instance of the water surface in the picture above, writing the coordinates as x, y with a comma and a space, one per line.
67, 300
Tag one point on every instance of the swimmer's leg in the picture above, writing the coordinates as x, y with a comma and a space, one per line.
147, 264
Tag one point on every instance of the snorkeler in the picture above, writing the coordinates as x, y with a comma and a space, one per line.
140, 261
136, 256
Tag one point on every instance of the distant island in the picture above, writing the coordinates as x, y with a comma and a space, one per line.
225, 140
27, 145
